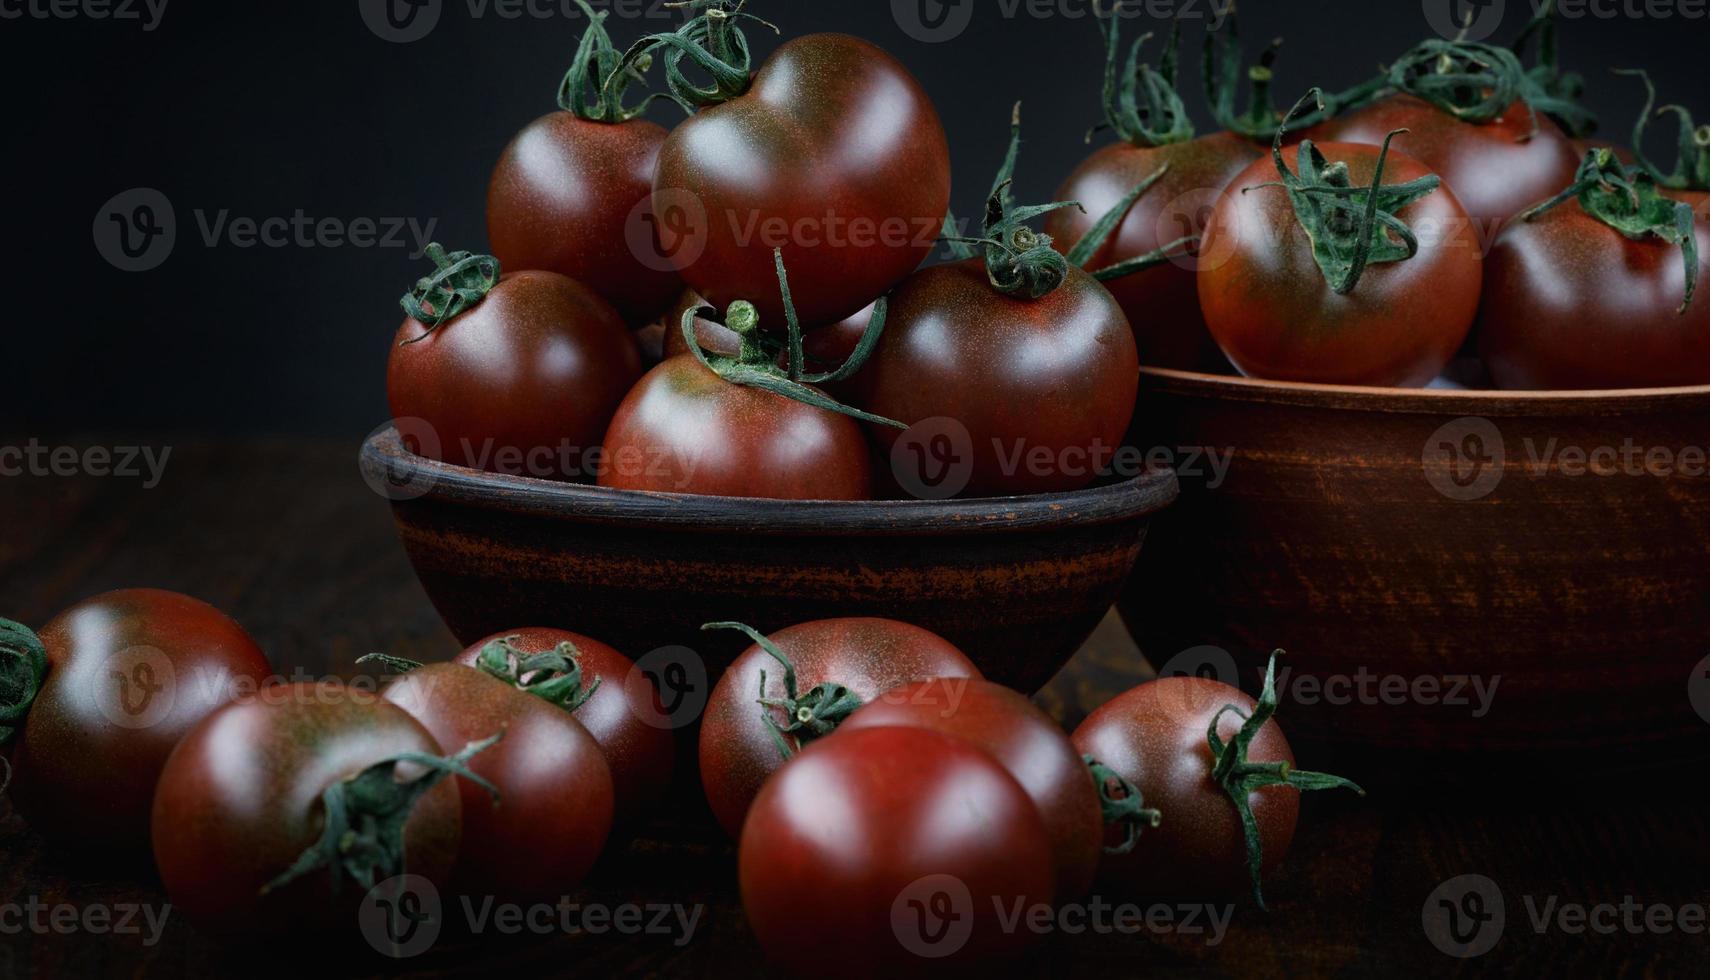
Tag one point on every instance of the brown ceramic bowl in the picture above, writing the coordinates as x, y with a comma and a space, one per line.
1413, 538
1017, 583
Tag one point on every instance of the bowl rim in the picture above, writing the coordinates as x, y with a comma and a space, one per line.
383, 456
1427, 401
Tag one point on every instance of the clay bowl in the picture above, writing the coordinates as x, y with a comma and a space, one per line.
1415, 538
1017, 583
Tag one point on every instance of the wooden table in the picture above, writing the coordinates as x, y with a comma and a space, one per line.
285, 536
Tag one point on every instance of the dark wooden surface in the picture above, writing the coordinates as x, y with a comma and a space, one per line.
287, 538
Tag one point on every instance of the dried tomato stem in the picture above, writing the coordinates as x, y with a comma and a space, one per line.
460, 281
1120, 803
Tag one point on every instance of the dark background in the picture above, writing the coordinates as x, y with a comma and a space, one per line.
267, 108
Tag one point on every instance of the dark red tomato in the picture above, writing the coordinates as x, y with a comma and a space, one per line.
1044, 387
617, 713
240, 801
891, 851
825, 348
864, 657
1496, 169
536, 368
562, 199
1162, 303
1271, 309
1570, 303
836, 155
1007, 726
1154, 736
684, 429
555, 789
129, 673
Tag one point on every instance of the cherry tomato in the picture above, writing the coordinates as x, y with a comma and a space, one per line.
1044, 387
834, 153
1024, 739
1161, 303
1496, 169
535, 368
128, 674
241, 801
555, 789
619, 703
684, 429
836, 666
875, 850
1276, 314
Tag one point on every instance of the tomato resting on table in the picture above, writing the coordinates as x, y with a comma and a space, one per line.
275, 816
99, 698
892, 851
507, 373
811, 677
565, 194
1025, 741
831, 150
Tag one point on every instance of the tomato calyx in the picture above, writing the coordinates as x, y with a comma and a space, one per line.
1141, 103
460, 281
1627, 200
1120, 803
713, 42
363, 836
1692, 165
554, 676
809, 716
755, 365
23, 667
1240, 778
594, 87
1221, 77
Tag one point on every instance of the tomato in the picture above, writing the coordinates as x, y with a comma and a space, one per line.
892, 850
1155, 737
535, 367
1495, 169
1024, 739
127, 674
616, 705
550, 774
1572, 303
1279, 314
242, 804
832, 151
826, 669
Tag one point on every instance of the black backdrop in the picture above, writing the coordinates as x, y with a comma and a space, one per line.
266, 109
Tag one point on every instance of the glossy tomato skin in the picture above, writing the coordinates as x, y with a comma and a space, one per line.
563, 199
836, 155
1154, 736
1162, 303
868, 656
823, 348
539, 365
1268, 305
1056, 376
1570, 303
1496, 170
617, 715
1025, 741
834, 853
684, 429
129, 673
240, 800
547, 829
